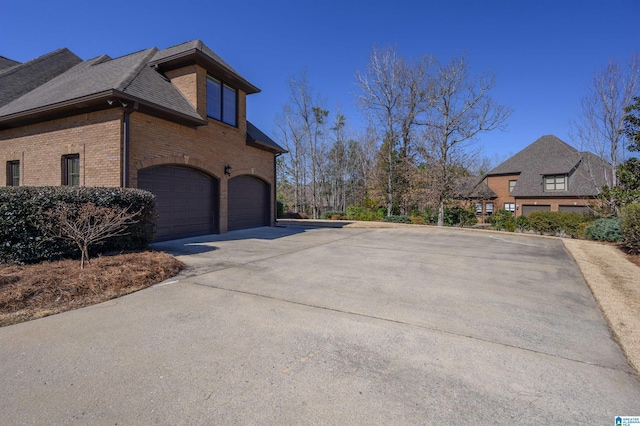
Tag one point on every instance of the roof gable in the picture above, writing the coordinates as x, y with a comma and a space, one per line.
7, 63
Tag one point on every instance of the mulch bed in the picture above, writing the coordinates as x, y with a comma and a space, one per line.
34, 291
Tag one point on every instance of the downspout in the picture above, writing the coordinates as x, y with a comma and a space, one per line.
125, 145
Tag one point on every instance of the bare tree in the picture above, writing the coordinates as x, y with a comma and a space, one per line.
600, 128
89, 224
462, 109
394, 94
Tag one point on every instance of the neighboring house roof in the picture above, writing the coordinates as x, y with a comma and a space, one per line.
6, 63
551, 156
18, 79
255, 137
472, 187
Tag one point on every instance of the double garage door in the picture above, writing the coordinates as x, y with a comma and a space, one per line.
188, 201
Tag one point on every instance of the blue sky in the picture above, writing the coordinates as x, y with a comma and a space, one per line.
543, 52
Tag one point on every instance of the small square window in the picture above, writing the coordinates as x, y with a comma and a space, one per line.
510, 207
13, 173
71, 170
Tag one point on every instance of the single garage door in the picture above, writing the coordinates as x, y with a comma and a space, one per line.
528, 209
248, 203
187, 200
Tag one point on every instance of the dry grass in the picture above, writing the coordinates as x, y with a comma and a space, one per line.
35, 291
614, 279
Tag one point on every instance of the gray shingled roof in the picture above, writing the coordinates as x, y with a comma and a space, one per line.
472, 187
256, 137
198, 49
7, 63
551, 156
19, 79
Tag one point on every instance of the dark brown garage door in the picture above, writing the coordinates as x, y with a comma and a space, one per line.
248, 203
528, 209
187, 200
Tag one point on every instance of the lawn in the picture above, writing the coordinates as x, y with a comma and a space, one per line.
33, 291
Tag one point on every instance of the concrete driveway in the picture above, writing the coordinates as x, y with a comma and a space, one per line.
331, 326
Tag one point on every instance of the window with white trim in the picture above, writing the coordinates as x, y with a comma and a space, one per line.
478, 208
488, 207
555, 183
512, 184
510, 207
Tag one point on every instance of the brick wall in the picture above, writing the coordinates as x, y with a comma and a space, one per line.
39, 148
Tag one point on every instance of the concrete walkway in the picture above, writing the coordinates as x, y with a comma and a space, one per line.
331, 326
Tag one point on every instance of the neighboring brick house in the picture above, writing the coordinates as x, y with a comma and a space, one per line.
548, 175
472, 193
171, 121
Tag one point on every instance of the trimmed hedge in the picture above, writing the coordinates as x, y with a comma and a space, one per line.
559, 223
630, 227
605, 229
24, 219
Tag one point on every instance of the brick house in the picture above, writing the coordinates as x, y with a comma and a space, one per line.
170, 121
548, 175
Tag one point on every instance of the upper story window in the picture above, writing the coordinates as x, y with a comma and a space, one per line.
222, 101
555, 183
71, 170
512, 184
13, 173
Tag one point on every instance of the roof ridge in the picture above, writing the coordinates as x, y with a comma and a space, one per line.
132, 74
40, 58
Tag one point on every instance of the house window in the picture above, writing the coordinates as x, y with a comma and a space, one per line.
222, 101
71, 170
13, 173
555, 183
478, 208
510, 207
512, 184
488, 207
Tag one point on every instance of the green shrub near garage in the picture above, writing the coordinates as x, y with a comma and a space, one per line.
604, 229
24, 220
630, 227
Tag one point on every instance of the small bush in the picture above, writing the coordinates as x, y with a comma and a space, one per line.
279, 209
503, 219
334, 215
398, 219
630, 227
361, 213
522, 224
606, 229
417, 220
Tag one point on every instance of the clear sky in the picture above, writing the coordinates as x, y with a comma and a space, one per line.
543, 52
